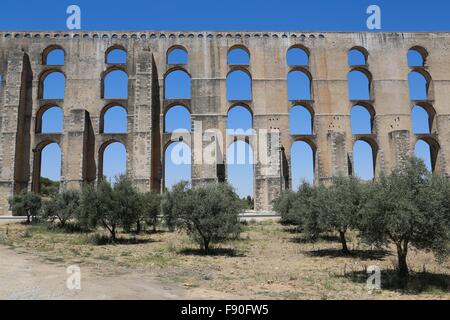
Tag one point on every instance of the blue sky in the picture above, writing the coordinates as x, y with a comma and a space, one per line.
318, 15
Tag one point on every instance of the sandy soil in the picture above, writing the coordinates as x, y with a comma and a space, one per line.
23, 276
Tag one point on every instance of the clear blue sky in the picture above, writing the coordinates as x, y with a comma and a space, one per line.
318, 15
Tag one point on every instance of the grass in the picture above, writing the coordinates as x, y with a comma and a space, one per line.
269, 261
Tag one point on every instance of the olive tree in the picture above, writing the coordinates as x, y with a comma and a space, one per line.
151, 208
208, 213
62, 206
26, 204
408, 207
339, 206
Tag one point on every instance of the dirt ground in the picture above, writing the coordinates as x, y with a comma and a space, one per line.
270, 261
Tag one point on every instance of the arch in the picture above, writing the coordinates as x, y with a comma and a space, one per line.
238, 55
240, 168
357, 56
361, 119
177, 84
419, 83
427, 149
301, 120
239, 119
177, 118
112, 160
115, 84
114, 119
297, 56
299, 85
364, 159
422, 117
47, 168
302, 163
116, 55
177, 55
50, 119
53, 56
177, 163
359, 83
239, 85
417, 56
52, 85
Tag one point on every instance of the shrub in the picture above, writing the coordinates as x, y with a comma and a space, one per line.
26, 204
339, 206
408, 207
208, 213
283, 205
62, 206
151, 208
305, 211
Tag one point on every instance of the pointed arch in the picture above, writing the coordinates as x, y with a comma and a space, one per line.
177, 118
362, 117
357, 56
419, 84
114, 119
359, 84
239, 119
52, 85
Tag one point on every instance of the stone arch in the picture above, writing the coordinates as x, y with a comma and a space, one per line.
362, 118
177, 84
185, 113
303, 162
101, 155
419, 81
52, 49
238, 55
358, 56
177, 55
121, 51
363, 162
239, 84
419, 123
303, 115
52, 83
107, 109
39, 124
181, 164
297, 55
240, 166
245, 120
359, 84
38, 163
116, 74
299, 81
417, 57
431, 155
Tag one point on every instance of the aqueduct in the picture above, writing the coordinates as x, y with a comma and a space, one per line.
326, 72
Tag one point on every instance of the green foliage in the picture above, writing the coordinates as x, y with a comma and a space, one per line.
339, 206
151, 208
283, 205
408, 207
208, 213
26, 204
49, 187
63, 206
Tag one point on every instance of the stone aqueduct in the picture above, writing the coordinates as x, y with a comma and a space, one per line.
82, 142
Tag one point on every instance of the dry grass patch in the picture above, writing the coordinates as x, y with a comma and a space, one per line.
269, 261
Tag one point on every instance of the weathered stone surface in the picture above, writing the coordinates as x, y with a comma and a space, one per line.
82, 142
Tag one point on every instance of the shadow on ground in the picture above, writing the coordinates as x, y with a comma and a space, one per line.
228, 252
418, 282
360, 254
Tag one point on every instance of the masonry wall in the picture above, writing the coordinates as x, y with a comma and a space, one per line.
82, 143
